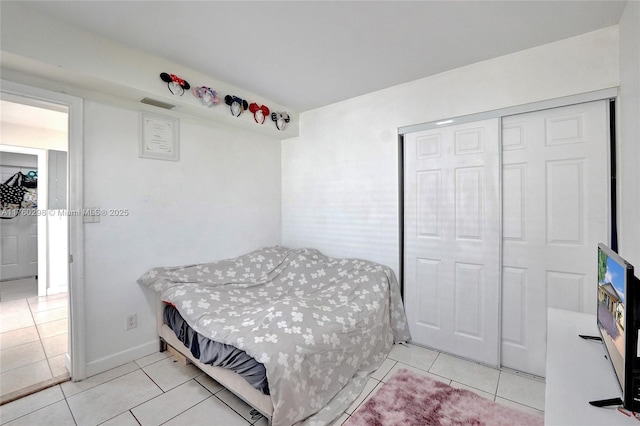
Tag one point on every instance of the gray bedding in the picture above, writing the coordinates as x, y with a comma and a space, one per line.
319, 325
215, 353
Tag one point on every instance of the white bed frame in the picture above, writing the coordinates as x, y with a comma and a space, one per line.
227, 378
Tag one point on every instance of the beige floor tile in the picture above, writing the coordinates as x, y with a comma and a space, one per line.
124, 419
400, 365
16, 321
368, 389
201, 415
58, 365
522, 390
154, 357
211, 385
38, 299
483, 394
46, 305
519, 407
383, 369
57, 414
23, 377
169, 373
414, 355
238, 405
19, 356
53, 328
50, 315
13, 306
56, 345
168, 405
112, 398
466, 372
30, 403
73, 388
18, 337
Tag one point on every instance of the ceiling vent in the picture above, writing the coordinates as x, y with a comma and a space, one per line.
156, 103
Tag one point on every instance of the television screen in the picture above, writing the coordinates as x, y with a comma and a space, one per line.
611, 307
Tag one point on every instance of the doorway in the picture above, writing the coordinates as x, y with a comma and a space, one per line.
33, 268
63, 278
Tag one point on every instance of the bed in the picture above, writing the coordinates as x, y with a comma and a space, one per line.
318, 325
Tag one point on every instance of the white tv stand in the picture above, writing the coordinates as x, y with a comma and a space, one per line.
578, 372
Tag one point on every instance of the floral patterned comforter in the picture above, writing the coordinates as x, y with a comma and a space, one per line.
319, 325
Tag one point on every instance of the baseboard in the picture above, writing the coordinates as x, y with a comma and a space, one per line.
120, 358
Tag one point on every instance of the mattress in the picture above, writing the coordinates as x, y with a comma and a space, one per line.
215, 353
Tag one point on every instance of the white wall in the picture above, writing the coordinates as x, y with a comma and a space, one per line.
340, 175
629, 135
220, 200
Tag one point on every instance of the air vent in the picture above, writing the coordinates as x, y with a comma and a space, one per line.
158, 104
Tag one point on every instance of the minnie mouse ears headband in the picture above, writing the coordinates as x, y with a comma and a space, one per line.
259, 111
236, 105
207, 95
175, 82
281, 119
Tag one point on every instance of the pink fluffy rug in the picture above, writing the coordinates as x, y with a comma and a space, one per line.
410, 399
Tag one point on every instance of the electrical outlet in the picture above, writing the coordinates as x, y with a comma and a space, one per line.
132, 321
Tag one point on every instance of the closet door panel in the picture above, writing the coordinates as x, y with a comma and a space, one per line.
452, 239
556, 210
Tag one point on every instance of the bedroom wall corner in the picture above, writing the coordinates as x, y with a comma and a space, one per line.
222, 199
629, 135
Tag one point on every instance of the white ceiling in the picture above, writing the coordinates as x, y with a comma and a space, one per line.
306, 54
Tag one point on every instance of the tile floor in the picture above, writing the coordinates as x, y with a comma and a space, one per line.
157, 390
33, 338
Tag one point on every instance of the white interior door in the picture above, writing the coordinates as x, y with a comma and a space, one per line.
19, 247
555, 211
452, 239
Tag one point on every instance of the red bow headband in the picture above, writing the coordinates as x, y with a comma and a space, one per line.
256, 110
174, 80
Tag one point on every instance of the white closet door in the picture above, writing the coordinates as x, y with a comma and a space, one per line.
556, 210
452, 239
19, 247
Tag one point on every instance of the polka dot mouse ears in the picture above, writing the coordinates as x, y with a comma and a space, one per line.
175, 84
207, 95
236, 105
259, 112
281, 119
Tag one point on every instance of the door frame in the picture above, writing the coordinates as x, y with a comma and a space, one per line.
603, 94
75, 359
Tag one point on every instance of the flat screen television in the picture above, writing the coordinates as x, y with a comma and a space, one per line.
618, 318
